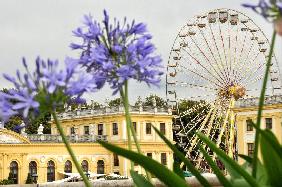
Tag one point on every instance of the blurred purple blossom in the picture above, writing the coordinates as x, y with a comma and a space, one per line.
47, 85
115, 53
76, 100
269, 9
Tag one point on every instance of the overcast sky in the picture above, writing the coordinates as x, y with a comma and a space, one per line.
43, 27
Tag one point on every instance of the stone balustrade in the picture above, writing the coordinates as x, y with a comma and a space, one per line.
86, 112
58, 139
250, 102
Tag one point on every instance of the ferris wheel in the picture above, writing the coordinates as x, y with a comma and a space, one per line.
217, 59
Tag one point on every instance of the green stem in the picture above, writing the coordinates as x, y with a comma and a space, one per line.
129, 122
261, 103
67, 144
127, 130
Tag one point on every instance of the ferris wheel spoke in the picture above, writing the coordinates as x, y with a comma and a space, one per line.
210, 64
216, 62
201, 76
234, 72
254, 80
246, 73
217, 49
224, 52
203, 67
206, 88
250, 73
235, 53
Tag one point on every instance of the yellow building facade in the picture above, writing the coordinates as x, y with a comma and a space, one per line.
246, 112
45, 156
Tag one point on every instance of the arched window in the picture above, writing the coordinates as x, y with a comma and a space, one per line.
84, 165
32, 168
50, 171
33, 171
100, 167
68, 167
14, 171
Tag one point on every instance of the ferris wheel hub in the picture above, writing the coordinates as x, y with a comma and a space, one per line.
232, 91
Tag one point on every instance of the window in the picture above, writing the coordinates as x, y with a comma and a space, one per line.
86, 130
163, 158
50, 171
72, 130
148, 128
149, 155
32, 168
116, 161
268, 123
100, 167
100, 129
68, 167
134, 126
162, 128
249, 125
14, 171
250, 149
115, 129
84, 165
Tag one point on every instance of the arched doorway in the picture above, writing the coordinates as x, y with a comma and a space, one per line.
100, 167
50, 171
14, 171
84, 165
33, 171
68, 167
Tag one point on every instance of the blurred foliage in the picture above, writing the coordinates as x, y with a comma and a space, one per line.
115, 102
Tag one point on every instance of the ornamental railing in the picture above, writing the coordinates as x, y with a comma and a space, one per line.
73, 138
249, 102
85, 112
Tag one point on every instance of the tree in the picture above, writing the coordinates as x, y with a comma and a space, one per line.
13, 123
33, 125
115, 102
160, 102
94, 105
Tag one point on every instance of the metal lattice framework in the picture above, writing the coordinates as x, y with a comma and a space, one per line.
217, 58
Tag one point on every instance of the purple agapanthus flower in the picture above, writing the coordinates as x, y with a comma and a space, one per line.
47, 85
115, 53
269, 9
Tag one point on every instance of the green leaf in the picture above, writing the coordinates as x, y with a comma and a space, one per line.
240, 183
139, 180
271, 158
246, 158
181, 156
177, 170
224, 181
157, 169
233, 167
271, 139
261, 176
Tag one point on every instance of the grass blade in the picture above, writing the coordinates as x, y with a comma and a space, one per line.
248, 159
177, 169
139, 180
157, 169
271, 159
181, 156
228, 161
224, 181
270, 139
